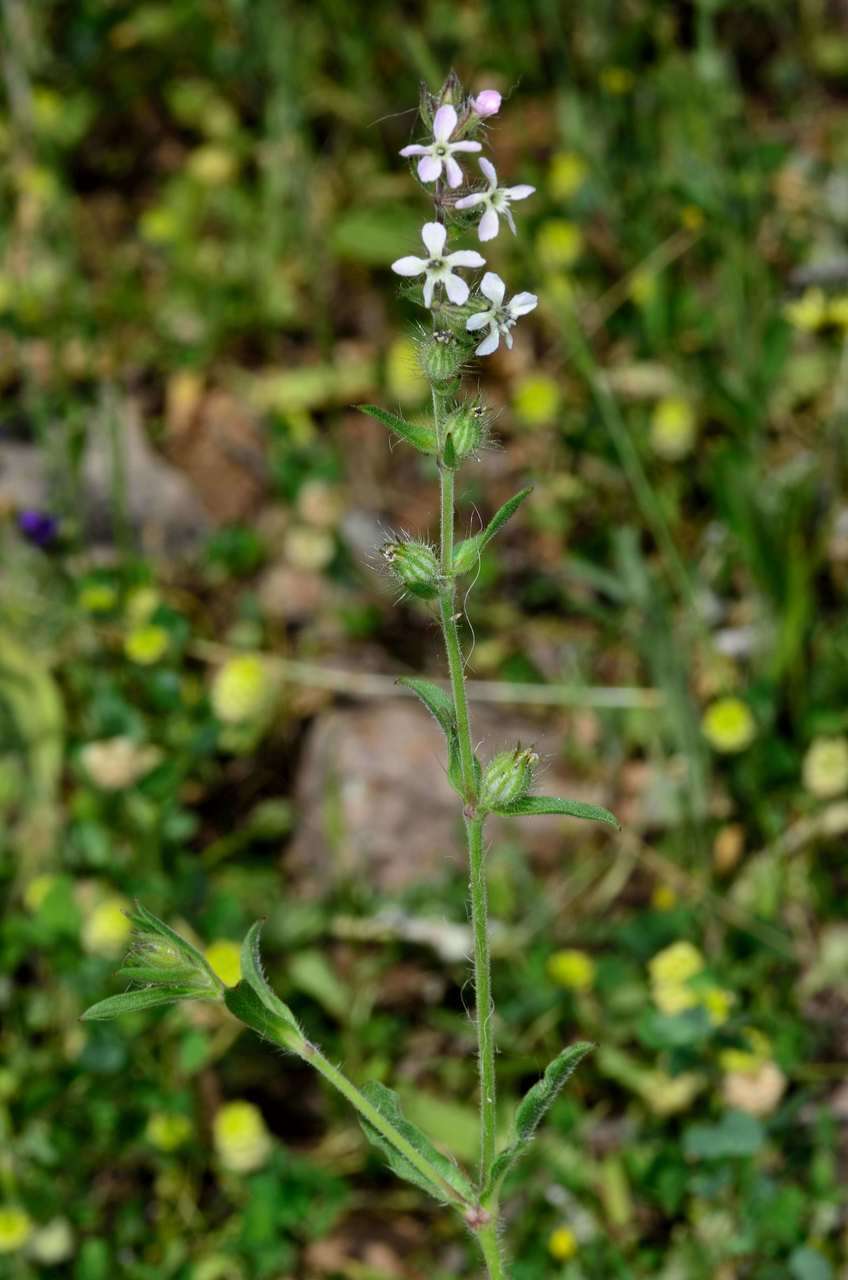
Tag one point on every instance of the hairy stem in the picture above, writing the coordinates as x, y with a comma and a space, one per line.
491, 1250
487, 1234
378, 1121
482, 995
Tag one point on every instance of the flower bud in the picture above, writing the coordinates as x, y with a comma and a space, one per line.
416, 564
467, 425
487, 103
508, 778
441, 355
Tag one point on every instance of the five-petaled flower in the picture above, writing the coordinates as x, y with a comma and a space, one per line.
494, 200
439, 153
499, 316
439, 267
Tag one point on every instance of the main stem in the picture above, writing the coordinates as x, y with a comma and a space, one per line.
487, 1234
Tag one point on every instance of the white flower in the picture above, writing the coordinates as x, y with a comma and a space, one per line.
440, 152
439, 267
500, 316
495, 200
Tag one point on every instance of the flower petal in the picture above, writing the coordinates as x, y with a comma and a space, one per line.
468, 202
489, 225
409, 266
478, 321
522, 303
488, 171
465, 146
521, 192
429, 168
465, 258
429, 285
414, 150
456, 288
507, 213
453, 171
493, 287
444, 123
489, 344
508, 339
434, 236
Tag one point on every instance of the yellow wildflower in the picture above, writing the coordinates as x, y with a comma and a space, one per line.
572, 969
825, 768
15, 1228
837, 311
241, 1139
676, 963
729, 725
98, 597
224, 957
536, 400
673, 428
751, 1057
663, 898
809, 312
107, 928
566, 174
718, 1002
213, 166
558, 243
562, 1244
168, 1130
404, 380
667, 1095
146, 645
242, 689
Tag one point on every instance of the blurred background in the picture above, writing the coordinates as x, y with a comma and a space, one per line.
201, 199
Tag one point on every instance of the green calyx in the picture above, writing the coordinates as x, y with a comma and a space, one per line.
441, 355
508, 778
468, 427
415, 564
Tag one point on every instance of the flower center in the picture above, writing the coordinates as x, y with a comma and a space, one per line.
441, 151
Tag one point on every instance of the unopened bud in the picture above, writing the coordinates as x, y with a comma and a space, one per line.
467, 425
441, 355
487, 103
416, 565
508, 778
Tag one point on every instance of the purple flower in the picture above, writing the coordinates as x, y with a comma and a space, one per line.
38, 527
487, 103
494, 200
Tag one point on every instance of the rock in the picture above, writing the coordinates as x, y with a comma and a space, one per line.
376, 805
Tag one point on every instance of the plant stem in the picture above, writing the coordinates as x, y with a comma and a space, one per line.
378, 1121
491, 1250
482, 995
486, 1234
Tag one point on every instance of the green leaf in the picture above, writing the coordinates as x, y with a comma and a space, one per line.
449, 454
534, 1106
420, 437
133, 1001
387, 1103
468, 552
245, 1003
737, 1134
532, 805
437, 701
254, 977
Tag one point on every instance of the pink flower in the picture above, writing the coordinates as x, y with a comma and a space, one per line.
439, 267
440, 152
487, 103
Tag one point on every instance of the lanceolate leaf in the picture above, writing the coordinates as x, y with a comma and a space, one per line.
252, 974
420, 437
437, 701
245, 1004
387, 1103
531, 805
468, 552
133, 1001
534, 1106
